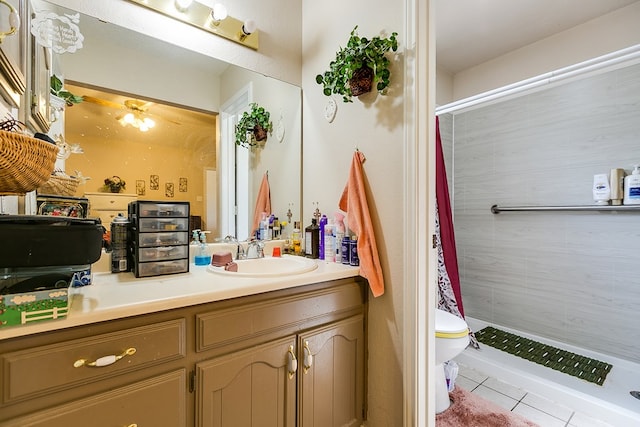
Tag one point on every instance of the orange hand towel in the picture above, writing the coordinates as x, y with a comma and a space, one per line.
263, 203
354, 202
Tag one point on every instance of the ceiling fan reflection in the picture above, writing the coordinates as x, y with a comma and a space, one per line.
136, 115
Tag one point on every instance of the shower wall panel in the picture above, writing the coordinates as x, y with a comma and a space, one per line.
569, 276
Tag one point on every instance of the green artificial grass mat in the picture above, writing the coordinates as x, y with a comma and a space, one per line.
585, 368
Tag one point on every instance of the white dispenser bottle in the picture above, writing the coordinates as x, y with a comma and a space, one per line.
632, 187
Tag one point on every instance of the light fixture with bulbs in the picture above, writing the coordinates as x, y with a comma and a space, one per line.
137, 120
214, 19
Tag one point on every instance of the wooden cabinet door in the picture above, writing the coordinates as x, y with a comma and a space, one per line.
249, 388
331, 375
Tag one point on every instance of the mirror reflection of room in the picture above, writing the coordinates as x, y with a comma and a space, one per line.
126, 80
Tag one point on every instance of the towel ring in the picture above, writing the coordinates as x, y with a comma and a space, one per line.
14, 21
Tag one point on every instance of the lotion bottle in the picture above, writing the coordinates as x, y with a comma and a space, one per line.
632, 187
339, 235
601, 189
617, 186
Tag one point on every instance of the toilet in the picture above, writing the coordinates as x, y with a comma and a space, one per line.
452, 337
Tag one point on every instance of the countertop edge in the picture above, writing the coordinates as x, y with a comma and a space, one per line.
115, 296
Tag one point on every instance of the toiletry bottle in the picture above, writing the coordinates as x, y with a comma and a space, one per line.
272, 218
353, 251
194, 245
632, 187
263, 227
312, 239
345, 250
321, 225
601, 189
296, 238
329, 242
276, 228
339, 235
616, 181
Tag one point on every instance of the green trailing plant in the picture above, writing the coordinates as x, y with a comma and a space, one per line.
57, 90
253, 126
359, 67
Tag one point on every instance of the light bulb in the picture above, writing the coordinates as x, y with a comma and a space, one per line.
249, 26
148, 123
219, 12
183, 5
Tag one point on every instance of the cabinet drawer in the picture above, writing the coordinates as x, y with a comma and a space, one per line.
106, 201
227, 326
158, 401
41, 370
164, 224
156, 210
163, 253
163, 239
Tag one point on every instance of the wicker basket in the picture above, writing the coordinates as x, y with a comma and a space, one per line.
25, 162
59, 186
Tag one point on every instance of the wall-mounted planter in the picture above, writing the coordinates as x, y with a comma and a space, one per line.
359, 67
254, 126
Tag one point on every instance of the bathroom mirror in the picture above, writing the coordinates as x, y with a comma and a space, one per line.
195, 101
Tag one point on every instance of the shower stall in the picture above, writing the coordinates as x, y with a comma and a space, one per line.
568, 276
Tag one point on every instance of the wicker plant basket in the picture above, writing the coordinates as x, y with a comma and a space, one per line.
59, 185
25, 162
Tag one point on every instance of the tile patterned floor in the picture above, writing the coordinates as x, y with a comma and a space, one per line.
531, 406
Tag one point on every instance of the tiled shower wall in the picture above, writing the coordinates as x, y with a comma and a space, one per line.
569, 276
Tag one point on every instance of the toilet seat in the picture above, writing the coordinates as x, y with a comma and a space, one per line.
448, 325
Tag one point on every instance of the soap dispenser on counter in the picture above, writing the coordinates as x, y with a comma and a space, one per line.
632, 187
203, 257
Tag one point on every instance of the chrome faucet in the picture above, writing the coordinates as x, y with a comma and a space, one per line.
255, 249
240, 253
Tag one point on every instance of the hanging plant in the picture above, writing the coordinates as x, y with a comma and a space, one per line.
57, 90
359, 66
253, 127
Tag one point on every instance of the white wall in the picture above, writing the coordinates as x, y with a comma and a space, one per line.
608, 33
376, 128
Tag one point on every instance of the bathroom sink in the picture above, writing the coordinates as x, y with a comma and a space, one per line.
285, 265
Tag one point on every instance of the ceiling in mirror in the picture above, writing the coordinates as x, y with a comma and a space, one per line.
102, 116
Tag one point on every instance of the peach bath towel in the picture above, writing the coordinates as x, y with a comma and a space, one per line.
263, 203
354, 202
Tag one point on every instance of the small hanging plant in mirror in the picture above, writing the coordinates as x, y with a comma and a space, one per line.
253, 127
359, 66
57, 90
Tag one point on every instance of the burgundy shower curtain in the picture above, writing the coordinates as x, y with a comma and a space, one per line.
449, 295
447, 236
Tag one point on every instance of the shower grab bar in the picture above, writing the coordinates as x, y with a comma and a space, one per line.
495, 209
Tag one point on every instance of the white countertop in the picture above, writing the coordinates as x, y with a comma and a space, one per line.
113, 296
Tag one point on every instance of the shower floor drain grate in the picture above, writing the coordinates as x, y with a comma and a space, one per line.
588, 369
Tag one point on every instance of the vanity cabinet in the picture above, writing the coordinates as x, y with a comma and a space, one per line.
318, 375
292, 357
